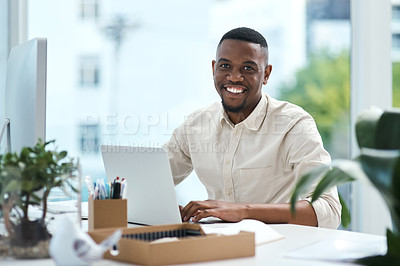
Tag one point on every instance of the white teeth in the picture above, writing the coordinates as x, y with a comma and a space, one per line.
234, 90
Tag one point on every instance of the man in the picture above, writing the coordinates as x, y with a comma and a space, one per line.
250, 150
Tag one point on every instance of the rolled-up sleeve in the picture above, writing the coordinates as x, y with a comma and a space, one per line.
306, 152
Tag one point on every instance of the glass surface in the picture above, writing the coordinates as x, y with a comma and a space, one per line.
396, 52
154, 67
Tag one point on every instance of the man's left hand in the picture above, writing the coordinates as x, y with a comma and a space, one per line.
227, 211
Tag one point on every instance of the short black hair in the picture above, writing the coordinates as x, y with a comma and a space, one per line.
245, 34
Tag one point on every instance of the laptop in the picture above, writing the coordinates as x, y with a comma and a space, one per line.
151, 194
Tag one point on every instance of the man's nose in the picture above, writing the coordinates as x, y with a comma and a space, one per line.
235, 75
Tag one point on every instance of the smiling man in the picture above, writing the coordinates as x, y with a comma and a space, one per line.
249, 150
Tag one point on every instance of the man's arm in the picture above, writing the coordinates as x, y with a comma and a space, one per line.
265, 212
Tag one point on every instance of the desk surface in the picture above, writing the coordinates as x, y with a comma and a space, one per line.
296, 236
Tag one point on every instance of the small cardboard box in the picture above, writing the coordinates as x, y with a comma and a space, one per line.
107, 213
182, 250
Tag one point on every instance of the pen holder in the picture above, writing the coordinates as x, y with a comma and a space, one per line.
107, 213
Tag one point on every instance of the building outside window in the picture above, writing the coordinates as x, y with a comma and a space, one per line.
89, 138
89, 72
396, 41
89, 9
396, 12
396, 52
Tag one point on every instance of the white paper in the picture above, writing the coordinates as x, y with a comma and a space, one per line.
263, 232
340, 249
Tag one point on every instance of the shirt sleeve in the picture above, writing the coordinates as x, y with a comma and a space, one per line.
305, 152
179, 156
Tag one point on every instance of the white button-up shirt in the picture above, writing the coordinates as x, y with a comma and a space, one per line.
258, 160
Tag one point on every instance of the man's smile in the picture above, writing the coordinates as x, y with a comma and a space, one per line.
237, 90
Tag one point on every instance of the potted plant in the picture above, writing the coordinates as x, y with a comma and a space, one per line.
378, 137
26, 179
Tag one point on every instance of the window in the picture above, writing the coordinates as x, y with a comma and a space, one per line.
89, 9
396, 41
89, 74
89, 138
396, 54
159, 70
396, 13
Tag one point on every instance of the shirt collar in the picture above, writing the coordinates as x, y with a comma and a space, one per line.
254, 120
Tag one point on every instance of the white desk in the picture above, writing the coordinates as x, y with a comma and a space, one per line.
268, 254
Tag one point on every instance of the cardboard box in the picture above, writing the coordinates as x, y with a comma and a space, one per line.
107, 213
182, 250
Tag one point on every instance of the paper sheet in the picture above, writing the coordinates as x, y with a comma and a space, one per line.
340, 249
263, 232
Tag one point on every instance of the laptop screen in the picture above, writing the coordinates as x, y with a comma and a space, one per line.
150, 190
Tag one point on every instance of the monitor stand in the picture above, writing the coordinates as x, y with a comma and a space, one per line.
6, 126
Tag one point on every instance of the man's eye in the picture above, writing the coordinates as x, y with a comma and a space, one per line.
224, 66
248, 68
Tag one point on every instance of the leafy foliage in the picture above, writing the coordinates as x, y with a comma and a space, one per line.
27, 178
378, 164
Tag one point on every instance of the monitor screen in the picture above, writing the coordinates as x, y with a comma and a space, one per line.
25, 93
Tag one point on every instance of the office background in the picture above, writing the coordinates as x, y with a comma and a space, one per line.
129, 72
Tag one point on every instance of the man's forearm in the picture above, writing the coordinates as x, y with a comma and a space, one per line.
280, 213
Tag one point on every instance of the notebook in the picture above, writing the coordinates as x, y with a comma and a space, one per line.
151, 194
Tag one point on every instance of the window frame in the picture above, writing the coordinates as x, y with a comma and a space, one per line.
371, 32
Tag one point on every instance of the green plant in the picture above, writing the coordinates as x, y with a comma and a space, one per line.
26, 179
378, 136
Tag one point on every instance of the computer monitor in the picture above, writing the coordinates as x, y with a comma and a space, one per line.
25, 94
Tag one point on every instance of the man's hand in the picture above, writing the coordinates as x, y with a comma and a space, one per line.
265, 212
227, 211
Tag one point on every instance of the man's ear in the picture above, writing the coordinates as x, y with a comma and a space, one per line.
213, 65
267, 72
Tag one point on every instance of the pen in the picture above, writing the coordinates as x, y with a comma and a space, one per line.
124, 188
117, 188
89, 185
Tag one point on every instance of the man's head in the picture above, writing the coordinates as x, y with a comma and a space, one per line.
246, 35
240, 69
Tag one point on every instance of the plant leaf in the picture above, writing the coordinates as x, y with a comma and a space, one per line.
393, 243
339, 172
366, 127
345, 215
378, 261
336, 176
388, 131
61, 155
383, 169
379, 166
12, 186
305, 182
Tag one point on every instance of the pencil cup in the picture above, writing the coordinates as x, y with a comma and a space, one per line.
107, 213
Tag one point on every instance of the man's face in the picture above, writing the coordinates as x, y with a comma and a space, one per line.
239, 71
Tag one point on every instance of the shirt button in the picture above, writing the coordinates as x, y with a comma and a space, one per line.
235, 132
227, 162
228, 191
